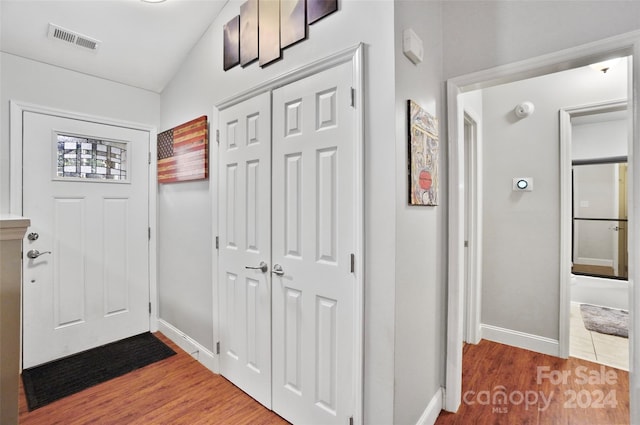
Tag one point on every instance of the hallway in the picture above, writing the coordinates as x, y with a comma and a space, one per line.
507, 385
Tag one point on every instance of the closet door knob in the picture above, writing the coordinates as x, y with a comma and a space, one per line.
277, 269
262, 267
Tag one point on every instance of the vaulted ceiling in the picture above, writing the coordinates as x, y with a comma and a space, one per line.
140, 44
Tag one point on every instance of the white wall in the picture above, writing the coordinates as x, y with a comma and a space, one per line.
186, 302
599, 140
522, 229
480, 34
37, 83
420, 231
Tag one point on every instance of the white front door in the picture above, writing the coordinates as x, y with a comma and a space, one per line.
85, 189
244, 244
314, 236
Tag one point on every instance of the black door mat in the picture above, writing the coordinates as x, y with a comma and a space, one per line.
52, 381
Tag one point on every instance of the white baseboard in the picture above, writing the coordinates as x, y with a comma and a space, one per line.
195, 349
520, 339
430, 414
604, 262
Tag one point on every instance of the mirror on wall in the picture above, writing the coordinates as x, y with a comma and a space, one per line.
600, 218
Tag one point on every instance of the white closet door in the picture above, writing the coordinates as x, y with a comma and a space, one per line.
313, 239
245, 241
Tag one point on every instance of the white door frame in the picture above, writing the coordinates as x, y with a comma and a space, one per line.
473, 218
626, 44
17, 110
565, 211
354, 55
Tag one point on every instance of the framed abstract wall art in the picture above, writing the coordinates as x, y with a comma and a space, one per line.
268, 31
231, 40
318, 9
265, 28
423, 156
293, 22
248, 32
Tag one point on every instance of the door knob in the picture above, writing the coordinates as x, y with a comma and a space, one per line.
34, 253
277, 269
262, 267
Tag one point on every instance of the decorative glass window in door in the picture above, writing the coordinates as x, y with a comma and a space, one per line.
86, 158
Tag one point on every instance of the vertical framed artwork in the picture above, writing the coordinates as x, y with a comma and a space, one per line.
318, 9
293, 22
248, 32
231, 35
268, 31
183, 152
423, 156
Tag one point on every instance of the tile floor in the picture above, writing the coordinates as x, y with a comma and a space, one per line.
606, 349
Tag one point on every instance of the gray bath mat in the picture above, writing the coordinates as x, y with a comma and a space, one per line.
605, 320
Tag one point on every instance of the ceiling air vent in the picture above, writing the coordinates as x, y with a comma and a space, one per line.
82, 41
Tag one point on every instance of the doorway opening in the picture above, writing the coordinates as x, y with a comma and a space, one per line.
64, 204
536, 67
597, 234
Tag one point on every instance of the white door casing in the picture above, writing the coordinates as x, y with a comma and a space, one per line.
94, 286
566, 200
313, 239
245, 241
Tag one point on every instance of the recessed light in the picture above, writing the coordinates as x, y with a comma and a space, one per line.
153, 1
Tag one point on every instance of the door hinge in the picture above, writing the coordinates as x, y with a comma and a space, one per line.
217, 242
218, 136
149, 157
218, 347
353, 97
353, 263
149, 233
149, 309
466, 244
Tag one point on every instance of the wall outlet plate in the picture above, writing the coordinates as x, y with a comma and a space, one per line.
522, 184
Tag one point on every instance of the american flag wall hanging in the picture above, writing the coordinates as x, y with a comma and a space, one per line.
183, 152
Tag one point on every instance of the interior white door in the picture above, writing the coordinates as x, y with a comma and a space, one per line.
93, 286
313, 239
244, 244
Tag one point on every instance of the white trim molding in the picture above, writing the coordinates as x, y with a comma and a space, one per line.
433, 409
473, 274
518, 339
189, 345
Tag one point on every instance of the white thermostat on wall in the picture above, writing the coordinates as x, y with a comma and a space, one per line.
522, 184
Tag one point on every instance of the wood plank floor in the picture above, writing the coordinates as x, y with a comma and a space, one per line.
539, 389
178, 390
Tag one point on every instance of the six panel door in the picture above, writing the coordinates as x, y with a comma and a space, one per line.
313, 236
244, 244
